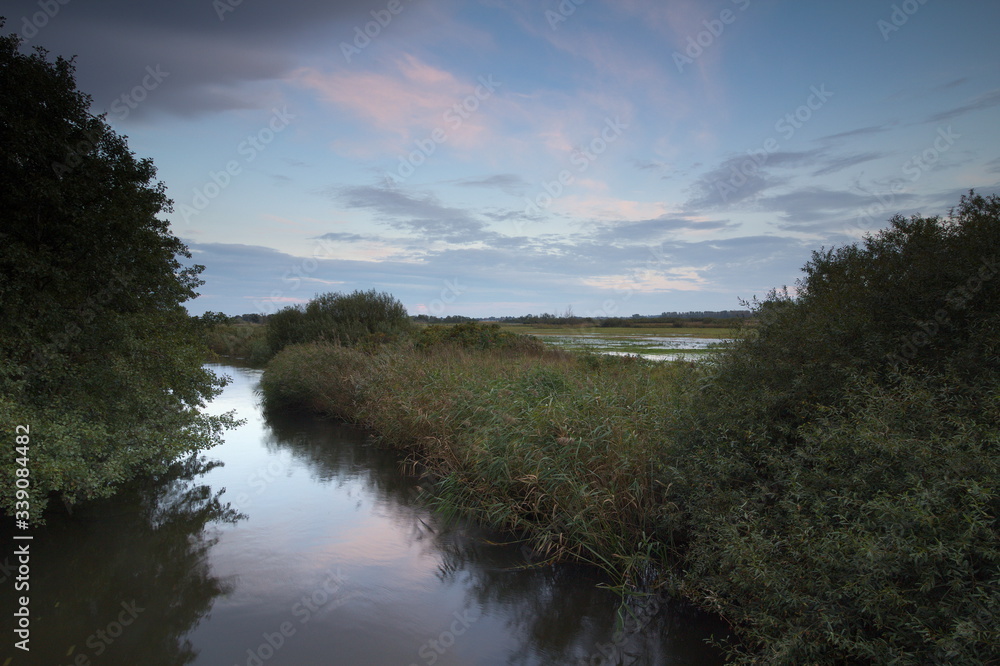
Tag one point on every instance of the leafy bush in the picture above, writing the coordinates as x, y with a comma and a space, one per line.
239, 340
842, 461
347, 319
315, 376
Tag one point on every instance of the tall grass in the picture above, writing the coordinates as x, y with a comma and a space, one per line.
568, 449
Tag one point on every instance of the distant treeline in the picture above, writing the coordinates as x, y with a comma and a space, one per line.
668, 318
545, 318
706, 317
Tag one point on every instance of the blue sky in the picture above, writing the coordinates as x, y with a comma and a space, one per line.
503, 158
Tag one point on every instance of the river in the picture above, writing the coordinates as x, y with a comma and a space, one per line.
299, 542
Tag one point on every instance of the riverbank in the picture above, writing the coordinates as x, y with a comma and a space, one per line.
822, 529
297, 542
565, 448
826, 482
249, 341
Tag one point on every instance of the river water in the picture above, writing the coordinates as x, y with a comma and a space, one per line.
299, 542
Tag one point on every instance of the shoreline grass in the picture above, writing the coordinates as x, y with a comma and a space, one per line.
827, 482
565, 448
812, 542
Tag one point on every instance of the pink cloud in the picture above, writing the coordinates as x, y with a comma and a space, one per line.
408, 101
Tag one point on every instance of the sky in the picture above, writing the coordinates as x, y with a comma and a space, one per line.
493, 157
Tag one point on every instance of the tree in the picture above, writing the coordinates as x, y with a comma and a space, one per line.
97, 356
210, 319
347, 319
355, 317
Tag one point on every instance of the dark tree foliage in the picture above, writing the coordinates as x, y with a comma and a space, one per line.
360, 317
840, 479
96, 351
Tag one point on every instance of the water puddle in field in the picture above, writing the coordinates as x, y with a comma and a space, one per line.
660, 348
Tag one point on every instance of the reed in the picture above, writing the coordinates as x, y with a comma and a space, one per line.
566, 449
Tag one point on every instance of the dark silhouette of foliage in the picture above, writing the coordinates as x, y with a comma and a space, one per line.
97, 355
841, 461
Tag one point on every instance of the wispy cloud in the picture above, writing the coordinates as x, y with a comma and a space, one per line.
838, 164
985, 101
506, 182
861, 131
420, 214
408, 99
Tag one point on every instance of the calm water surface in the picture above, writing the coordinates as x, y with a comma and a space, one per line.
306, 546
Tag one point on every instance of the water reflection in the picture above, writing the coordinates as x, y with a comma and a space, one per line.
123, 581
309, 546
546, 614
562, 617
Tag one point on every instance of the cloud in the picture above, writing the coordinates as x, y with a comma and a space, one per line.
952, 84
422, 214
214, 65
837, 164
651, 281
409, 99
985, 101
810, 203
861, 131
834, 215
508, 183
659, 229
745, 178
344, 237
736, 179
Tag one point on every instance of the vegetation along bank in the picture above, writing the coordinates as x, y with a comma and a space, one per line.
827, 482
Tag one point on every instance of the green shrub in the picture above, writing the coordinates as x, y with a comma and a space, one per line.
101, 377
840, 489
245, 341
361, 317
